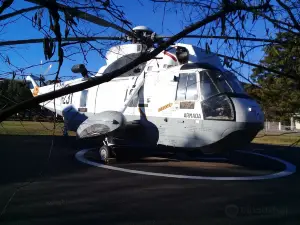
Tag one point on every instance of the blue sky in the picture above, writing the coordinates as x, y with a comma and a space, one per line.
140, 12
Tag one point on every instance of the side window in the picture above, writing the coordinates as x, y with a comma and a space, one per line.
83, 98
191, 89
208, 88
187, 87
181, 88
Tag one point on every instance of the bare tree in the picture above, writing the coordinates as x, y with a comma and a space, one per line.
230, 23
235, 34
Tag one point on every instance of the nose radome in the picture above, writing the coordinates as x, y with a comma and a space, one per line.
247, 111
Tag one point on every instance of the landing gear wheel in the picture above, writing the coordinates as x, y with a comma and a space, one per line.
105, 153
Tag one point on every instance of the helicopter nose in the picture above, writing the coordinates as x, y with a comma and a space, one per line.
249, 120
247, 111
249, 117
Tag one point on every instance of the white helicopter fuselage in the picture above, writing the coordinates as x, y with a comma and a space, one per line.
174, 101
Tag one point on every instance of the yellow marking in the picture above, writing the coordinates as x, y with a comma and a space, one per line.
35, 91
165, 107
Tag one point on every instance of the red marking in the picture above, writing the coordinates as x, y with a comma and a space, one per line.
170, 55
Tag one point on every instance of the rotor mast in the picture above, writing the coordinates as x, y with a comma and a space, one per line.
142, 35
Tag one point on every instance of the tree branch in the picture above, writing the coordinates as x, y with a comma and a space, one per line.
40, 40
82, 15
109, 76
258, 66
18, 12
288, 10
279, 23
177, 2
5, 5
236, 38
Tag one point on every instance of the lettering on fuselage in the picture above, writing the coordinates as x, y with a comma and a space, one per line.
192, 115
187, 105
165, 107
66, 99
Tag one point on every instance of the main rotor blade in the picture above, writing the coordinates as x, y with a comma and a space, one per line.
18, 12
229, 38
41, 40
83, 15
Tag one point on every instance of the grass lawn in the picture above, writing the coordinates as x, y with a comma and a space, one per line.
278, 139
45, 128
31, 128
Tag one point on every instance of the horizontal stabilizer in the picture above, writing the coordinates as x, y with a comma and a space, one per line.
101, 124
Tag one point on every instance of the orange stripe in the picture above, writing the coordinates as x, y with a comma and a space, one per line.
165, 107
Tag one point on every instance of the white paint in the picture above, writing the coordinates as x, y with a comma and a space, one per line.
279, 126
159, 83
297, 124
290, 169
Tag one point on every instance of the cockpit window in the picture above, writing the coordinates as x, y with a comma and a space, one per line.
207, 85
234, 83
222, 82
214, 82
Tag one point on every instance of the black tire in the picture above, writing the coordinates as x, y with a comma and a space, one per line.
105, 153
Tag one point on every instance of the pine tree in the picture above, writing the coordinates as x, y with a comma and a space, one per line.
279, 95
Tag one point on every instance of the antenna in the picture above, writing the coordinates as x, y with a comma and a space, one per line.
42, 78
47, 70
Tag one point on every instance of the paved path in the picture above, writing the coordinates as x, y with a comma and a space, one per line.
71, 192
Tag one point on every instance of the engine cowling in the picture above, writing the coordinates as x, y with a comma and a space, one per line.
101, 124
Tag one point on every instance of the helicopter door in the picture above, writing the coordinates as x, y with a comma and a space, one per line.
187, 90
187, 96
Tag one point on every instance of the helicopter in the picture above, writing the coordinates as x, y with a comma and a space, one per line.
183, 98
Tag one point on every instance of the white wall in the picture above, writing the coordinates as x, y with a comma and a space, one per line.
297, 125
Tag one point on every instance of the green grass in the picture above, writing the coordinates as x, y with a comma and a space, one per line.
46, 128
31, 128
278, 139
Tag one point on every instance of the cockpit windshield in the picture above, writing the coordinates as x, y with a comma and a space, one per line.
234, 83
213, 82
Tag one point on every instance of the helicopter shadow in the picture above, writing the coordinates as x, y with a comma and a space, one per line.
73, 118
219, 152
147, 133
140, 139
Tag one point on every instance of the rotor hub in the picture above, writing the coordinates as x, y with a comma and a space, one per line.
143, 34
142, 29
